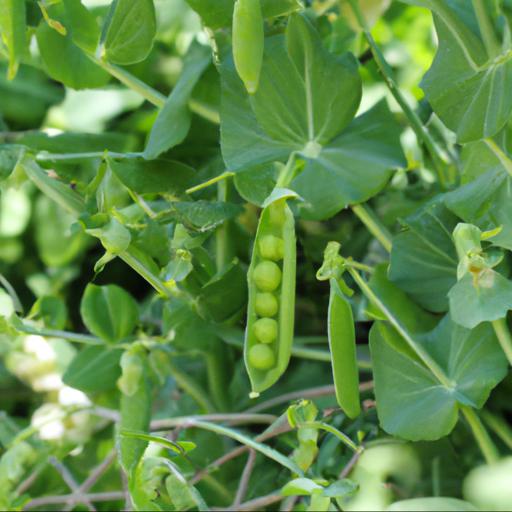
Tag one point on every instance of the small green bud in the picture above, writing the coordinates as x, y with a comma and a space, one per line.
265, 330
261, 357
267, 276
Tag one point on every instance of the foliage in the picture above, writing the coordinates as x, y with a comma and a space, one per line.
177, 178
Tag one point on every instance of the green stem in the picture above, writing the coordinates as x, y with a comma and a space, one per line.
190, 386
208, 183
251, 443
504, 337
491, 42
133, 83
436, 370
482, 437
222, 245
367, 216
143, 271
55, 333
45, 156
310, 354
445, 169
218, 376
287, 173
499, 426
500, 155
203, 110
150, 94
335, 432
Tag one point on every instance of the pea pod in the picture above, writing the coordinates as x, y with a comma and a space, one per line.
271, 279
248, 42
343, 351
341, 332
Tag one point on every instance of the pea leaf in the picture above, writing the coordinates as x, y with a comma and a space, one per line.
485, 195
130, 31
256, 184
224, 295
342, 165
173, 122
485, 298
13, 27
26, 98
109, 312
154, 177
183, 495
202, 215
301, 487
467, 88
307, 72
94, 369
63, 55
412, 402
353, 167
9, 155
423, 257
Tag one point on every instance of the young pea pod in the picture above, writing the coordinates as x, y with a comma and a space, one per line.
248, 42
341, 332
342, 344
271, 308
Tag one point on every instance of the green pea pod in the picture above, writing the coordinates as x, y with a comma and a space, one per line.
342, 343
271, 279
248, 42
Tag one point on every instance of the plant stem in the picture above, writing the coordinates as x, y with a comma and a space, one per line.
499, 426
445, 169
500, 155
217, 179
303, 353
45, 156
287, 173
229, 418
192, 388
141, 269
504, 337
367, 216
432, 365
204, 111
132, 82
335, 432
482, 437
222, 245
305, 393
55, 333
152, 95
245, 440
491, 42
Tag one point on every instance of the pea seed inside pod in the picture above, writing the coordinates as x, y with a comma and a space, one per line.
265, 330
267, 276
276, 214
271, 247
261, 357
266, 304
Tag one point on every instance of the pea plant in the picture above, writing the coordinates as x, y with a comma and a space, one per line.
255, 254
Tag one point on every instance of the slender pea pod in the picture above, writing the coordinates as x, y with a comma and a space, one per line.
248, 42
271, 308
341, 332
342, 344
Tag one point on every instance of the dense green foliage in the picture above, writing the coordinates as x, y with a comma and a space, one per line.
255, 254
